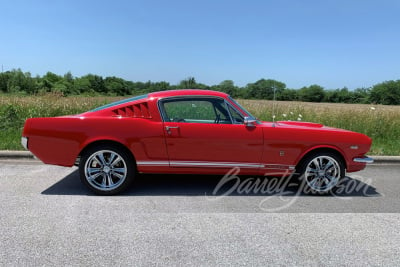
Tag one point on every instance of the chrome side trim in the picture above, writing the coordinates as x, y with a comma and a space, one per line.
364, 160
197, 164
280, 166
214, 164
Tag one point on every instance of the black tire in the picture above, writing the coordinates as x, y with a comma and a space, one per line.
106, 169
321, 172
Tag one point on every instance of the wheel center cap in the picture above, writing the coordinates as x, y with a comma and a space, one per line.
106, 169
321, 173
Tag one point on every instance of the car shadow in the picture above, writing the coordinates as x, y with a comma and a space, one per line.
212, 185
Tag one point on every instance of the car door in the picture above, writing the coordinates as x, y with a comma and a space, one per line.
202, 132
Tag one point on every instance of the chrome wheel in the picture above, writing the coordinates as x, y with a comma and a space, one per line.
105, 170
322, 173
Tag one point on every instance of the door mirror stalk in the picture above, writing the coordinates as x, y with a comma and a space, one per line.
250, 121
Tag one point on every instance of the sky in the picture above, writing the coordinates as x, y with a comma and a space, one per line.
335, 44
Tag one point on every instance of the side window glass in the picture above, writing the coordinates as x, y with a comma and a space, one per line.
222, 113
236, 116
194, 111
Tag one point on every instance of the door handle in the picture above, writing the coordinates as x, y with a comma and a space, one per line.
168, 128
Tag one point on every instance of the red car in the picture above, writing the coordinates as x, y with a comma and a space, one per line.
191, 132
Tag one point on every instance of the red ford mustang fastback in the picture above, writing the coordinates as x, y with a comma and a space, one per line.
191, 132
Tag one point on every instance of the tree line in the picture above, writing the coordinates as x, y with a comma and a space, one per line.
19, 82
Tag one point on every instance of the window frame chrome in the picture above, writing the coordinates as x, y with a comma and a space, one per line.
164, 117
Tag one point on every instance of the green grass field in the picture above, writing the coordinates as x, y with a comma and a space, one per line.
381, 123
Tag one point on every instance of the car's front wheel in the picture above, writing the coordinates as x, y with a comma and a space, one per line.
106, 169
321, 172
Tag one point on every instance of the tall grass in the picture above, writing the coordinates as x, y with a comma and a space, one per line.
381, 123
15, 110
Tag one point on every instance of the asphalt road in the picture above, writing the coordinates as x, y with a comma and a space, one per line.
48, 218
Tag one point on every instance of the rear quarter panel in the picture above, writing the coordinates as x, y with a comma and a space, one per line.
59, 140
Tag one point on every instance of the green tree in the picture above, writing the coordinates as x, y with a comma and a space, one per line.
48, 81
264, 89
361, 95
68, 84
339, 96
189, 83
158, 86
19, 82
82, 85
288, 95
96, 83
387, 93
228, 87
116, 86
4, 77
313, 93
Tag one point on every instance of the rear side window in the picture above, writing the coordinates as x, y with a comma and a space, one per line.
123, 101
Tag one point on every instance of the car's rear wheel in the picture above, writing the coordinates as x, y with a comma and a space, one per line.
106, 169
321, 172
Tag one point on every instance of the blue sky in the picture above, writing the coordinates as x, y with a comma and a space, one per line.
352, 43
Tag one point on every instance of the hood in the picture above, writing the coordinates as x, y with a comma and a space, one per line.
302, 125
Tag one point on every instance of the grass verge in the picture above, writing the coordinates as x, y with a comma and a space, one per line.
381, 123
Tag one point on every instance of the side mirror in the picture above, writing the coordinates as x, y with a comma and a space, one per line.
250, 122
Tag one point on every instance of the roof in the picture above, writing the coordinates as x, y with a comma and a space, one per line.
161, 94
181, 92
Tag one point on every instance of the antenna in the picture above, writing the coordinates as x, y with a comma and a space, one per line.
273, 105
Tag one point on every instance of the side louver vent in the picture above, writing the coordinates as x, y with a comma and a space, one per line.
140, 110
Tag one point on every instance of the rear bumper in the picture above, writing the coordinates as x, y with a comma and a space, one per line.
24, 142
364, 160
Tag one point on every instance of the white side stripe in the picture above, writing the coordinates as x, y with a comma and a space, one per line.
153, 163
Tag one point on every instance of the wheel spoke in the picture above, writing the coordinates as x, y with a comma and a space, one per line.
313, 183
100, 159
104, 181
319, 184
120, 176
109, 180
95, 176
326, 180
111, 158
321, 162
115, 161
311, 170
92, 171
328, 165
330, 177
317, 163
120, 170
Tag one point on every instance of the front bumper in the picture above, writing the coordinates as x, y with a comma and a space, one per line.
364, 160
